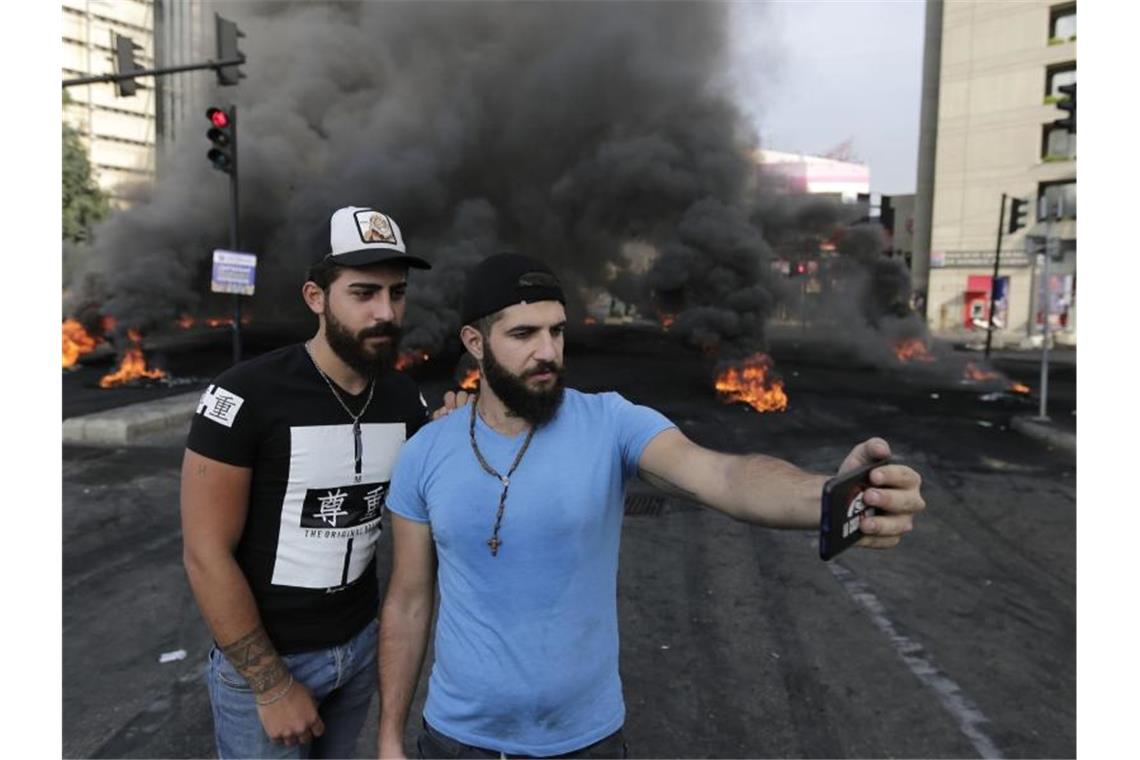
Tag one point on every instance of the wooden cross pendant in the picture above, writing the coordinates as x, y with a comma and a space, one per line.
494, 543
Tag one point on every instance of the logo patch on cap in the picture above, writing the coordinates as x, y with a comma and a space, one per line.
374, 227
538, 280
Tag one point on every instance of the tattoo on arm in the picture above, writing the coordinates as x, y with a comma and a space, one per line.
255, 658
201, 470
667, 486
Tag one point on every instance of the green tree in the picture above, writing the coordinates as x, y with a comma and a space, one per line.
84, 203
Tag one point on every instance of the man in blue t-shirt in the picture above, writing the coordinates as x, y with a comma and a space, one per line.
517, 502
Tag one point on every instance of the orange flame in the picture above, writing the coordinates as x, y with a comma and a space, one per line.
589, 321
185, 321
470, 381
224, 321
749, 381
972, 372
909, 349
1019, 388
409, 358
132, 367
76, 342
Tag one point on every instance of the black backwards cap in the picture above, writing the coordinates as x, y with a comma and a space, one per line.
506, 279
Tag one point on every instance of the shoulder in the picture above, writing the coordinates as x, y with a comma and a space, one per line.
598, 403
434, 436
400, 388
248, 375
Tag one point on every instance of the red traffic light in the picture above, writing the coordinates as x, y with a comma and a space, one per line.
218, 118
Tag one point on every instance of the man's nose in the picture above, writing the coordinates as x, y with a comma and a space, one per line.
382, 310
547, 349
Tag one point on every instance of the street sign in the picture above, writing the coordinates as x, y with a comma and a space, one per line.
233, 272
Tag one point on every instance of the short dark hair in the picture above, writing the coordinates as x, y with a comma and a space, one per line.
484, 324
324, 273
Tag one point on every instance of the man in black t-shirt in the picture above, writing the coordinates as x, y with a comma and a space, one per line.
283, 485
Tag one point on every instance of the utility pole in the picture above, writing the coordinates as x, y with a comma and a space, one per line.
994, 279
1052, 246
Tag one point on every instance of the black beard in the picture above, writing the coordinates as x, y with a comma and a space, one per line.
350, 348
536, 407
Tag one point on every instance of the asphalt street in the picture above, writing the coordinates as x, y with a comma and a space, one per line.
736, 641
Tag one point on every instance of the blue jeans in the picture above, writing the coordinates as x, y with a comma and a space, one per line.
342, 680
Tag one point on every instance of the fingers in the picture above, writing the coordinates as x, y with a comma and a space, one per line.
867, 452
304, 736
896, 476
462, 398
876, 448
878, 542
895, 489
885, 525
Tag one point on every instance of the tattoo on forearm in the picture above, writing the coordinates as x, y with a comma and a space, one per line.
201, 470
255, 658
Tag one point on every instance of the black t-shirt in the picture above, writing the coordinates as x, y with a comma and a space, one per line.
308, 549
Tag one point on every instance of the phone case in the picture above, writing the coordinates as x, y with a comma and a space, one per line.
841, 504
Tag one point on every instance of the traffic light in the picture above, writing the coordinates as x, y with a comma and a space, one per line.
887, 214
1017, 210
1069, 105
223, 136
226, 34
125, 63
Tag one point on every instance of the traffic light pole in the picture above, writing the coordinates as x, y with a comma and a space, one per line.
215, 65
994, 279
1051, 244
234, 241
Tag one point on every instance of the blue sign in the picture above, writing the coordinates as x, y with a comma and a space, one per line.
233, 272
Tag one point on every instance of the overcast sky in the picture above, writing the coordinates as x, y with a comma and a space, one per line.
813, 73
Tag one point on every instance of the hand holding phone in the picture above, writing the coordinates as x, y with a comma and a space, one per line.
841, 506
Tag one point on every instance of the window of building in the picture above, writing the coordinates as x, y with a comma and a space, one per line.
1056, 77
1057, 144
1062, 23
1064, 191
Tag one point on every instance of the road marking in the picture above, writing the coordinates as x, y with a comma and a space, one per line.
949, 693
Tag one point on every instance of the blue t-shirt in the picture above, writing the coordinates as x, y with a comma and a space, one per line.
526, 643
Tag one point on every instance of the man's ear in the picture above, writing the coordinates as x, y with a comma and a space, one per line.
314, 297
472, 341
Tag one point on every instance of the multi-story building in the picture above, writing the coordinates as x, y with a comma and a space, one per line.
990, 87
126, 135
818, 175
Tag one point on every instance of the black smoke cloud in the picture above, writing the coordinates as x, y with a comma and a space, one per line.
564, 130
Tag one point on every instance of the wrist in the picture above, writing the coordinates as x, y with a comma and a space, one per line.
277, 695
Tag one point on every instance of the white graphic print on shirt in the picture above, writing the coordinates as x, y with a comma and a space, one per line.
219, 405
330, 523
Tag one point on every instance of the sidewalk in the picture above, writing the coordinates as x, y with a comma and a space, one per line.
1045, 431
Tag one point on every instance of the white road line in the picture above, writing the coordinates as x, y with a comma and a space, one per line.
969, 717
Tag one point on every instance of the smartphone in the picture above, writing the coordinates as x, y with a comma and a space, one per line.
840, 507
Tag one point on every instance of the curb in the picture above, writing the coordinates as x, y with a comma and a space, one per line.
1046, 433
127, 424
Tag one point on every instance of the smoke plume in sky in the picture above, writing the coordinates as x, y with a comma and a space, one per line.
564, 130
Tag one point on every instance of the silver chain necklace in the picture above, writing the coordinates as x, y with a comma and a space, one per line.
357, 442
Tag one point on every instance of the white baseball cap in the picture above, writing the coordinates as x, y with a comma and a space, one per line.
359, 236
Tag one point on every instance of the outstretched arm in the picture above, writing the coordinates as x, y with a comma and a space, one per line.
771, 492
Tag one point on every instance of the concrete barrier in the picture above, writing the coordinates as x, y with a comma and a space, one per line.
128, 424
1046, 433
